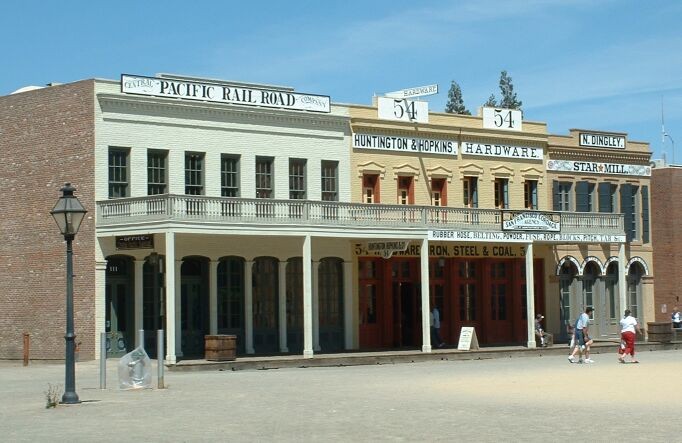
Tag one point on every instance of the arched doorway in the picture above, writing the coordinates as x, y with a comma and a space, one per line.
231, 299
608, 311
119, 302
568, 310
330, 295
265, 282
634, 289
194, 319
591, 294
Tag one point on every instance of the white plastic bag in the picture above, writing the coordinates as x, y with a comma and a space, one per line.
135, 370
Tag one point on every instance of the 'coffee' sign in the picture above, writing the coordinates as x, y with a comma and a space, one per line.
224, 93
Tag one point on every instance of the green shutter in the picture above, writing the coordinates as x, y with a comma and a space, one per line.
555, 195
581, 196
645, 214
626, 209
605, 197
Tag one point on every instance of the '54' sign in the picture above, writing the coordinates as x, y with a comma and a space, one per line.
403, 110
505, 119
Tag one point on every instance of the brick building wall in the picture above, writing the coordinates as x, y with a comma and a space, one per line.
46, 139
666, 212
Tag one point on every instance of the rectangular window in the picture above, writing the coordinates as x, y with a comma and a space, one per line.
229, 176
562, 195
405, 196
501, 193
330, 181
438, 195
607, 197
470, 192
530, 194
264, 177
370, 188
118, 173
645, 214
157, 178
297, 182
194, 173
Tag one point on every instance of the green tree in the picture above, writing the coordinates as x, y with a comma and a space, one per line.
509, 100
455, 104
492, 101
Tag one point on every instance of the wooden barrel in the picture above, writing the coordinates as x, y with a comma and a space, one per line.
220, 347
660, 331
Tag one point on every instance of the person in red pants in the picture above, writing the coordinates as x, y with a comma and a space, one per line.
628, 326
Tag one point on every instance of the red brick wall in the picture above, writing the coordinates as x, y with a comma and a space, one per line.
46, 139
666, 232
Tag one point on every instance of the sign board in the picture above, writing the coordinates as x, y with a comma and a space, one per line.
522, 237
224, 93
494, 150
602, 140
386, 249
405, 144
404, 110
467, 339
418, 91
505, 119
598, 168
135, 242
531, 221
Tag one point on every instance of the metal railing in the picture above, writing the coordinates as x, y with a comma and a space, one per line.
166, 207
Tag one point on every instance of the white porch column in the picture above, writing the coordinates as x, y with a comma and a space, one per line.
622, 286
213, 296
316, 305
248, 307
169, 263
426, 311
530, 296
348, 304
139, 291
283, 346
100, 302
307, 299
177, 288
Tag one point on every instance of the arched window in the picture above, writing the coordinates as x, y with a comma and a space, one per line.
634, 288
567, 275
611, 283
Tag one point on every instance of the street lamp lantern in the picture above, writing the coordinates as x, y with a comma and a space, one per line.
69, 213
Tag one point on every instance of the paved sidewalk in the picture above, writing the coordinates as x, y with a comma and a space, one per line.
542, 398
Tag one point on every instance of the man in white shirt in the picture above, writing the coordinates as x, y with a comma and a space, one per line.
628, 325
582, 337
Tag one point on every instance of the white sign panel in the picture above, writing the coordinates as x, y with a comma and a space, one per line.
405, 144
531, 221
598, 168
490, 150
505, 119
467, 339
403, 110
418, 91
386, 249
602, 140
212, 92
522, 237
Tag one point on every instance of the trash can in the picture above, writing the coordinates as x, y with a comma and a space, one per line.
660, 331
220, 347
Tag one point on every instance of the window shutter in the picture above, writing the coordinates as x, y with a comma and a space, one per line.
645, 214
505, 185
605, 197
555, 195
581, 196
626, 209
474, 191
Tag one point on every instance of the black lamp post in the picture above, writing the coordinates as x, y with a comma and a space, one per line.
69, 213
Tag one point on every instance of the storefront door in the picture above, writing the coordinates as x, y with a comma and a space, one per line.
499, 329
119, 307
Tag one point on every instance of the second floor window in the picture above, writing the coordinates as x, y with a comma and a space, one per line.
118, 173
264, 177
607, 197
501, 193
229, 176
157, 177
584, 196
562, 195
470, 192
370, 188
330, 181
297, 185
438, 197
194, 173
405, 196
530, 194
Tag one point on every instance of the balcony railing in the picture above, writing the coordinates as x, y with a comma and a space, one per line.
263, 212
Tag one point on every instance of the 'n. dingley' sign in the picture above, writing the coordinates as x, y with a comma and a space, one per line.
531, 221
602, 140
224, 93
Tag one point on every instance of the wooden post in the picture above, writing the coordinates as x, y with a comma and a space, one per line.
27, 343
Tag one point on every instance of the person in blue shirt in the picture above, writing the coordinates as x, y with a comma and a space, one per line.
582, 336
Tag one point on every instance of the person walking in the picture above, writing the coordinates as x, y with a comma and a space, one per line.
582, 337
676, 318
435, 327
628, 326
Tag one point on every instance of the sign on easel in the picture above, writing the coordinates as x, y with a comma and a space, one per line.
467, 339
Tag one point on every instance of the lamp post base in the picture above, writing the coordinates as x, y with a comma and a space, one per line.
70, 398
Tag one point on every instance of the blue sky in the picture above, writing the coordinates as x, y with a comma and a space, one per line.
593, 64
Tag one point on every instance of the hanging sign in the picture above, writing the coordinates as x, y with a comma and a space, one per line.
403, 110
224, 93
467, 339
418, 91
505, 119
386, 249
135, 242
531, 221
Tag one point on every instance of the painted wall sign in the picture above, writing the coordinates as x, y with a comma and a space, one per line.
451, 249
404, 144
219, 93
531, 221
418, 91
491, 150
135, 242
505, 119
598, 168
403, 110
522, 237
602, 140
